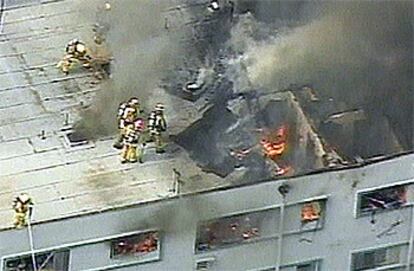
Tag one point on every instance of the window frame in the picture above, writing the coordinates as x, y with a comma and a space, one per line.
142, 257
243, 242
402, 245
111, 264
3, 263
317, 261
358, 195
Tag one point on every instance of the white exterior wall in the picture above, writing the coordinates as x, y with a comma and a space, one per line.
342, 233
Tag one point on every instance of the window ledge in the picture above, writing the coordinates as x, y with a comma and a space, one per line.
381, 211
245, 242
119, 263
387, 267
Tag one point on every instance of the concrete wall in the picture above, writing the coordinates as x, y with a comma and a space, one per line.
341, 233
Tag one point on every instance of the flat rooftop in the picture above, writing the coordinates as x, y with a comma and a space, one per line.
37, 102
39, 105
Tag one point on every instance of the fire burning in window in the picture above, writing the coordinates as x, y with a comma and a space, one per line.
135, 245
310, 212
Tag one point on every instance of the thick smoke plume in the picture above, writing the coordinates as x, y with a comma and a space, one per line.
359, 52
144, 51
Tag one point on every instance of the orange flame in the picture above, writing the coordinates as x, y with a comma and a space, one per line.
274, 145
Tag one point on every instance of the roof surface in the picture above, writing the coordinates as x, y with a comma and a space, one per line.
35, 97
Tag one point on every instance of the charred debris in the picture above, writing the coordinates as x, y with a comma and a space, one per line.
266, 133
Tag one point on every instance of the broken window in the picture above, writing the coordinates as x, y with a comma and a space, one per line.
368, 260
385, 199
51, 261
235, 229
311, 211
136, 245
312, 215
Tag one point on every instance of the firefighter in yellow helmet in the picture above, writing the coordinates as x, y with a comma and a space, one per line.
23, 206
128, 112
132, 150
157, 125
76, 52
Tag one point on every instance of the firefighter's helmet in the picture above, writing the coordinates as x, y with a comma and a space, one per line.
73, 42
24, 198
80, 47
134, 101
159, 107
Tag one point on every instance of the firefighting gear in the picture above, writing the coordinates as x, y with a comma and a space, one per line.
76, 53
156, 125
132, 150
22, 205
132, 110
121, 123
310, 212
128, 112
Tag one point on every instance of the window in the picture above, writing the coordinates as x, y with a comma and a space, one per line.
136, 245
235, 229
51, 261
376, 258
305, 216
312, 214
385, 199
204, 264
307, 266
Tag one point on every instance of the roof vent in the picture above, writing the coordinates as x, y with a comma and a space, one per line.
76, 140
205, 264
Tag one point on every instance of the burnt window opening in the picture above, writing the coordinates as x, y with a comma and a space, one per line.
52, 261
311, 212
368, 260
312, 215
236, 229
136, 245
385, 199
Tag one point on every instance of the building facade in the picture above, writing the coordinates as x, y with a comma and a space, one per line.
361, 219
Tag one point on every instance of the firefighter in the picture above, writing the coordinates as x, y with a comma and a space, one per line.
128, 112
132, 151
118, 144
23, 206
157, 125
76, 52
